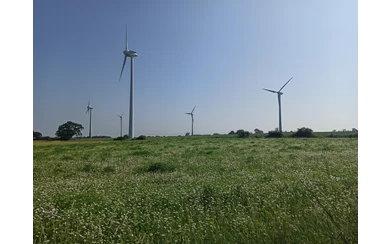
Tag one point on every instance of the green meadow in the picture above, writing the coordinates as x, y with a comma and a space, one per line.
199, 189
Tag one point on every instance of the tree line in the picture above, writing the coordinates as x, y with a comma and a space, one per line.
70, 129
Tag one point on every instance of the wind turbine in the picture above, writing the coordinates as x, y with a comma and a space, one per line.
192, 117
89, 109
132, 55
120, 116
280, 102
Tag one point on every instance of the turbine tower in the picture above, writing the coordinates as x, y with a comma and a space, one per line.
89, 109
192, 117
120, 116
280, 102
132, 55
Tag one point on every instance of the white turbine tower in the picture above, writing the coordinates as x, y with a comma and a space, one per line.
120, 116
132, 55
89, 109
280, 102
192, 117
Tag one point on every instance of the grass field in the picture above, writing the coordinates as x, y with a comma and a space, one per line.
196, 190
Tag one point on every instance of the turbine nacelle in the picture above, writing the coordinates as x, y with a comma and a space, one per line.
130, 53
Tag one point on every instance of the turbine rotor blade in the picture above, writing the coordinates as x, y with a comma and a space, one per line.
87, 107
122, 114
188, 113
270, 90
126, 39
193, 109
285, 84
123, 66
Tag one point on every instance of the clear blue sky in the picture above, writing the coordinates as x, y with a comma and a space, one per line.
217, 55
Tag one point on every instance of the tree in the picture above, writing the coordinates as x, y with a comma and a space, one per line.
243, 134
354, 130
37, 135
257, 131
119, 138
274, 133
68, 130
231, 132
141, 137
303, 132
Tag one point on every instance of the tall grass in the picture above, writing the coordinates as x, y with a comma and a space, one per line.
196, 190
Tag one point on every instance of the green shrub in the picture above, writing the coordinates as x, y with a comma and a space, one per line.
243, 134
274, 134
303, 132
141, 137
120, 138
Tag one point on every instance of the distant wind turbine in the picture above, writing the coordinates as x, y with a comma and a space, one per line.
280, 102
120, 116
192, 117
132, 55
89, 109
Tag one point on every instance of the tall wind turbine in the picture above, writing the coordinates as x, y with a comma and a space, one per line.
120, 116
192, 117
89, 109
280, 102
132, 55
